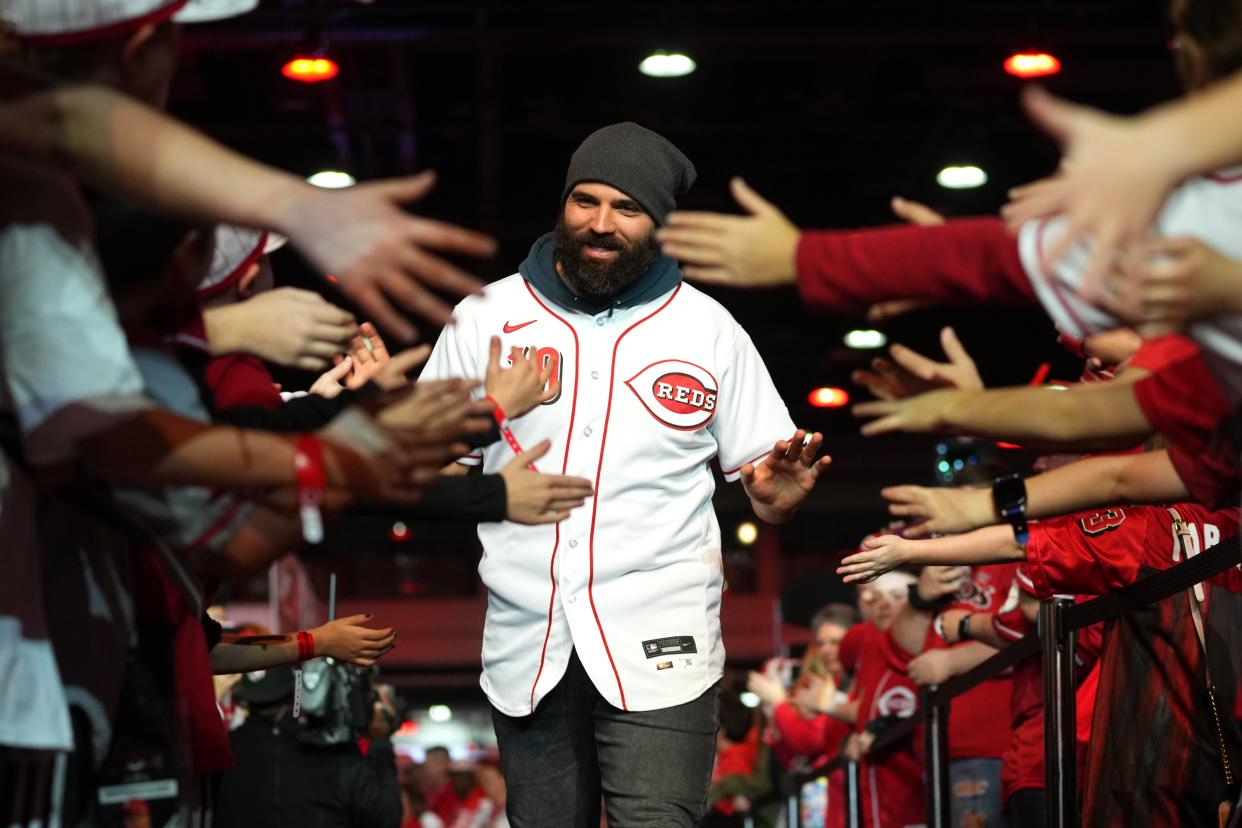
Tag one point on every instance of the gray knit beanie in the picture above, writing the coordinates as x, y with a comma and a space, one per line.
638, 162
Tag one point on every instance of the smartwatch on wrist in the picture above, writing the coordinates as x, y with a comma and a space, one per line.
963, 627
1009, 501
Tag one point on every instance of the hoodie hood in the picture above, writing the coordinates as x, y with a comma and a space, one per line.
539, 268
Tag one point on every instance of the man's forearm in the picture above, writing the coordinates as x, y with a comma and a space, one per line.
130, 150
1190, 133
1104, 481
1107, 417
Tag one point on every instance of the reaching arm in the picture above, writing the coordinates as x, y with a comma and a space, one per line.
345, 639
1075, 487
991, 544
359, 235
1106, 416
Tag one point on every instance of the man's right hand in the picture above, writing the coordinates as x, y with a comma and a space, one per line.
534, 498
755, 250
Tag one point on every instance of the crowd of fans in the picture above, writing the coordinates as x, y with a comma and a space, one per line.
148, 459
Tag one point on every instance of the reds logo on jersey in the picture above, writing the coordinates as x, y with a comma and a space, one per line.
679, 394
899, 701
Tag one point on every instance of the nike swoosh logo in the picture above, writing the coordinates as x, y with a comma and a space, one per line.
511, 328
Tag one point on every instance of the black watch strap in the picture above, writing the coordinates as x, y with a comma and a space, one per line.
963, 628
1009, 501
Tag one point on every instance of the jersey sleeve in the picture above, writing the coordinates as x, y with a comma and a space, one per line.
1087, 553
67, 371
456, 355
1059, 285
750, 414
963, 260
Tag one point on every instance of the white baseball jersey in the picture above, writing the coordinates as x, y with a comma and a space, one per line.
632, 580
1208, 208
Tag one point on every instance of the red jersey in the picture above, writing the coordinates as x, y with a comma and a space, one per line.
892, 779
1183, 402
241, 380
1150, 669
979, 719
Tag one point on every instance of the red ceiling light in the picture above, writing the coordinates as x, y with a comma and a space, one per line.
310, 69
1032, 64
828, 398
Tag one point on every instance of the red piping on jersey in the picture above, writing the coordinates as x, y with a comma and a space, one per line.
1221, 178
603, 441
747, 463
569, 436
1051, 279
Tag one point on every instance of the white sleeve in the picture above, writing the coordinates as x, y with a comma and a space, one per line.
750, 414
66, 367
456, 355
1059, 286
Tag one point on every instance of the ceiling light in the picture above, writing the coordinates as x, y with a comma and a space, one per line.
747, 532
828, 398
332, 179
1032, 64
310, 69
439, 713
963, 177
667, 65
748, 698
863, 340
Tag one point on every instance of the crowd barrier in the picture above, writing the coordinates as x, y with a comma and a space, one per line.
1059, 619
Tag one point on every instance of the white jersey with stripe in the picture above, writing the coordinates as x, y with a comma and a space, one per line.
633, 579
1208, 208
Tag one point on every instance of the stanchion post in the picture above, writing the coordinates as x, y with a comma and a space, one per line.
853, 796
1060, 714
936, 750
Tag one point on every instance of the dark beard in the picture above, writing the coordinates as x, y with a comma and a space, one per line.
602, 281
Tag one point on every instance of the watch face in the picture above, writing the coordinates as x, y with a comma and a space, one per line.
1009, 493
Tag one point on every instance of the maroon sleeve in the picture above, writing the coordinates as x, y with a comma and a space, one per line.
241, 380
965, 260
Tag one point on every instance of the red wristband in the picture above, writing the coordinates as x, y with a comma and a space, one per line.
505, 431
311, 479
306, 645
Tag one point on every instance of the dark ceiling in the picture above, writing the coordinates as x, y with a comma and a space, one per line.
828, 108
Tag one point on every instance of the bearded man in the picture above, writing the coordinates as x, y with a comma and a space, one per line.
602, 649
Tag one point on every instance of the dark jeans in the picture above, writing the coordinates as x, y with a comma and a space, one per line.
651, 767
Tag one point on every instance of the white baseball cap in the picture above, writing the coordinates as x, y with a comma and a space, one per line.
237, 248
69, 22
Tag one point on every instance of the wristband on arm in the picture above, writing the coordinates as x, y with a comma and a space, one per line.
505, 431
311, 479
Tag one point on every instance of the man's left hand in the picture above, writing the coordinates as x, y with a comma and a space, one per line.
778, 485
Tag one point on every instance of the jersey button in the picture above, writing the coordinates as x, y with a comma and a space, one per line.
573, 544
586, 431
595, 375
571, 599
600, 321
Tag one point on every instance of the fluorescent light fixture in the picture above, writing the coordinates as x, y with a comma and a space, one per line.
439, 713
863, 340
667, 65
961, 177
332, 179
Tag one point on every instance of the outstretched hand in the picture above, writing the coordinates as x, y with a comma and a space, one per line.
378, 252
533, 498
522, 386
922, 414
755, 250
940, 510
782, 480
1110, 188
346, 639
908, 372
877, 556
